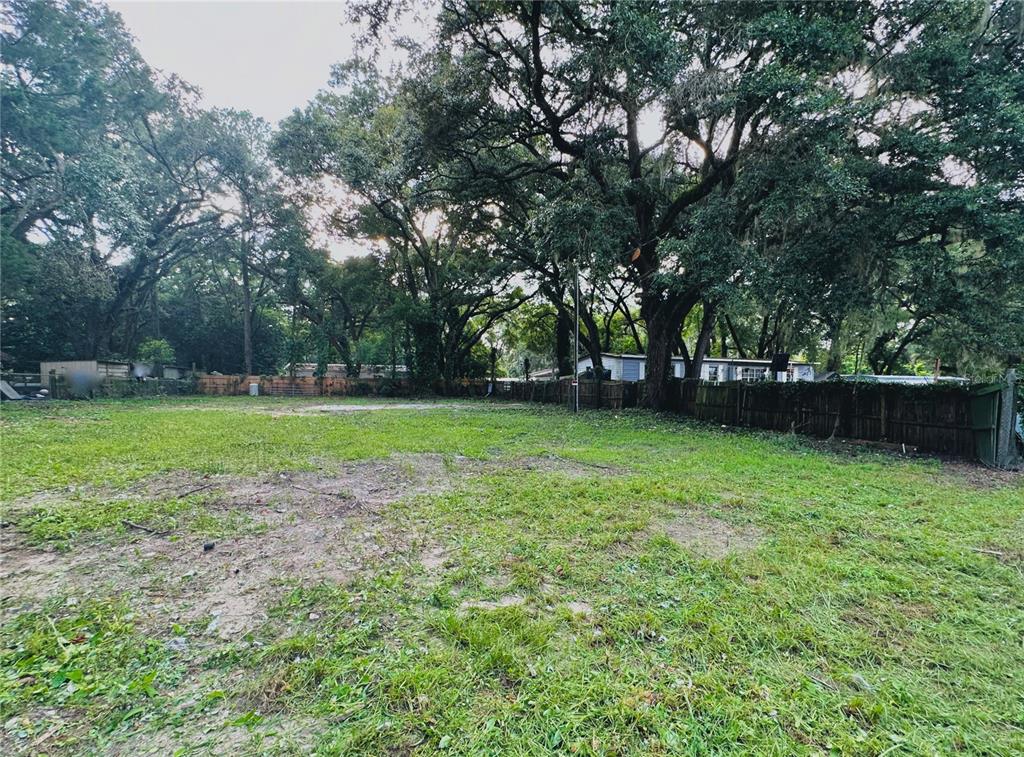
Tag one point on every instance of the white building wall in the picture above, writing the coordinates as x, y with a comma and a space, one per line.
712, 369
804, 372
98, 367
610, 362
64, 367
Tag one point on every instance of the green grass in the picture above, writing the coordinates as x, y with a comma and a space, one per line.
866, 621
83, 656
60, 522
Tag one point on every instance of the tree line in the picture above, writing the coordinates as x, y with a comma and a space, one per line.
842, 180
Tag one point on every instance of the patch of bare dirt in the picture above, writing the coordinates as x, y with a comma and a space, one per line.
433, 560
978, 476
574, 468
310, 526
315, 526
709, 536
498, 581
579, 607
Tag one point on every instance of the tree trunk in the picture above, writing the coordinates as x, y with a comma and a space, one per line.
707, 329
591, 338
661, 332
835, 352
155, 310
664, 315
246, 318
563, 342
762, 341
592, 342
633, 330
735, 339
428, 352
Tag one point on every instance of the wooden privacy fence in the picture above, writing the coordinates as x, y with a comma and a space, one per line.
611, 395
304, 386
947, 419
935, 418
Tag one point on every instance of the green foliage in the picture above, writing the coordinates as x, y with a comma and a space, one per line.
155, 351
437, 247
83, 655
835, 179
114, 197
784, 197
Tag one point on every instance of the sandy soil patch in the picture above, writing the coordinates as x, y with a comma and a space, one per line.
319, 526
579, 607
309, 527
978, 476
710, 537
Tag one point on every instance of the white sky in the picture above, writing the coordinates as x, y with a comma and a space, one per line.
265, 57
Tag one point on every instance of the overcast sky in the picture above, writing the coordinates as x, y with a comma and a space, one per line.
265, 57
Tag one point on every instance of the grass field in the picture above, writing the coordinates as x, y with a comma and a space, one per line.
255, 576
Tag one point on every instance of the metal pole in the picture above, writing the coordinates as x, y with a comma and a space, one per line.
576, 344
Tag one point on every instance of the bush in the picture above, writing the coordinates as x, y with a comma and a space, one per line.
154, 351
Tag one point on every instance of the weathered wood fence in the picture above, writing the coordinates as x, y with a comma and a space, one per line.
935, 418
304, 386
952, 420
611, 395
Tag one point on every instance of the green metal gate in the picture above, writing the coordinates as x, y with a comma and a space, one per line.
985, 421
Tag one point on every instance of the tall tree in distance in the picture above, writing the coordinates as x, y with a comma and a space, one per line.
441, 251
252, 208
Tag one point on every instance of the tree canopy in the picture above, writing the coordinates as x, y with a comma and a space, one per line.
841, 180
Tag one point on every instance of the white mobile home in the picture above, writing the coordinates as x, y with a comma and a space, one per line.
631, 367
102, 368
106, 369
